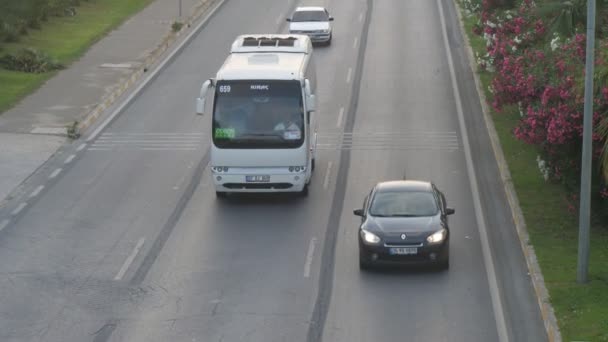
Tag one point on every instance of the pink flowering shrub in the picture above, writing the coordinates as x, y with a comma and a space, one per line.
546, 82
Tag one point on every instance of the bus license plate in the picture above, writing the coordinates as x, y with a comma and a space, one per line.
404, 251
258, 179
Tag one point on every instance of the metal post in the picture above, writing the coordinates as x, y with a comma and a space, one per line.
585, 200
180, 9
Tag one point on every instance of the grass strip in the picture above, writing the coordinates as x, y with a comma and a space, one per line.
65, 39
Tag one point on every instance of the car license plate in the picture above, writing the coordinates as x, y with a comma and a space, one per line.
403, 251
258, 179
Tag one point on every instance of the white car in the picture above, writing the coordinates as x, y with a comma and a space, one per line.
313, 22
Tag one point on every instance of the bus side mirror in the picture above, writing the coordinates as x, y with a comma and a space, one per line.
200, 101
312, 103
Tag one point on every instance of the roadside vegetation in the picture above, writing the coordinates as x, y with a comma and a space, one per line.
39, 37
530, 57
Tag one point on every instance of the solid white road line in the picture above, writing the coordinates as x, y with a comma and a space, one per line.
4, 223
309, 257
82, 146
327, 173
355, 42
501, 326
36, 192
340, 117
349, 75
130, 259
69, 159
55, 173
19, 208
361, 17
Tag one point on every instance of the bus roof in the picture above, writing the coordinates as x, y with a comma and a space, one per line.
279, 66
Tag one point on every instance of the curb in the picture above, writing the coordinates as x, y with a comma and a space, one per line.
124, 84
538, 282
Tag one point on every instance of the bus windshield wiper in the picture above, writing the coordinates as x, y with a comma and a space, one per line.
265, 135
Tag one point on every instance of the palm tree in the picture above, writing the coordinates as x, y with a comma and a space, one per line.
566, 15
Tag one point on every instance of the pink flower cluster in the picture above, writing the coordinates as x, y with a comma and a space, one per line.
545, 83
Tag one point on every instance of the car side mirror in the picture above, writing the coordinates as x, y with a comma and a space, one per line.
331, 18
358, 212
449, 211
288, 19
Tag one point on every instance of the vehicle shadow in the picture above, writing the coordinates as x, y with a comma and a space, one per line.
237, 199
405, 270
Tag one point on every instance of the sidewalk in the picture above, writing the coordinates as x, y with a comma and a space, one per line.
35, 128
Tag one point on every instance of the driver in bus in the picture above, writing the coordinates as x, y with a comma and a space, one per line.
290, 127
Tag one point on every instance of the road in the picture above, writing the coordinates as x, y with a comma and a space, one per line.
124, 240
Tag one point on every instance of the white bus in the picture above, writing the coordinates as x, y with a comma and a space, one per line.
263, 135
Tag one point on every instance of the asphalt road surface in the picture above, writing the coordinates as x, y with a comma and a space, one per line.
127, 242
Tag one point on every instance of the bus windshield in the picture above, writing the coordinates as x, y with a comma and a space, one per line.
258, 114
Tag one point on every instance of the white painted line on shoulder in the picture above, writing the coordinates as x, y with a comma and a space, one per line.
55, 173
327, 174
355, 42
340, 117
349, 75
361, 17
69, 159
4, 223
37, 191
309, 257
129, 260
20, 207
82, 146
279, 19
501, 326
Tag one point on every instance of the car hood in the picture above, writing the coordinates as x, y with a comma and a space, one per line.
309, 26
412, 226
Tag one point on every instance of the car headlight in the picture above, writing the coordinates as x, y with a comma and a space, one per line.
325, 31
438, 236
370, 238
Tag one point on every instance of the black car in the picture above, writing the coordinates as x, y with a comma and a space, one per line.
404, 222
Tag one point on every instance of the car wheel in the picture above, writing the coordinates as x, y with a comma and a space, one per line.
312, 164
444, 264
221, 194
304, 192
328, 43
364, 264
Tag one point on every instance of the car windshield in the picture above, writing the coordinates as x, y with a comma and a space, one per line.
258, 114
403, 204
309, 16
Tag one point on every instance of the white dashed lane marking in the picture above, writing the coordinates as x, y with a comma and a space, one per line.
55, 173
327, 174
37, 191
20, 207
4, 223
130, 259
309, 257
340, 117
